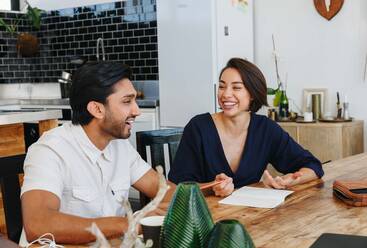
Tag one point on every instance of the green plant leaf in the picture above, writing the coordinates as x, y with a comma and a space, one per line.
9, 28
271, 91
188, 222
34, 15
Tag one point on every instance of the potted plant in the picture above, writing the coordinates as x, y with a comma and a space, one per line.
27, 44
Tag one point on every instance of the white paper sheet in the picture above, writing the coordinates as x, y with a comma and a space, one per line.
257, 197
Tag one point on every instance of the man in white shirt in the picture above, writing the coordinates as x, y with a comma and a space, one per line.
79, 173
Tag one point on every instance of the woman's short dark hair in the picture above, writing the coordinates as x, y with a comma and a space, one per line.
94, 82
253, 80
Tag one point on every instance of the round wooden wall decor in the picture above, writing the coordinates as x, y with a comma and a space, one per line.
330, 11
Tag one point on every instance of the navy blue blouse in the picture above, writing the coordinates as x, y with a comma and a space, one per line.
200, 155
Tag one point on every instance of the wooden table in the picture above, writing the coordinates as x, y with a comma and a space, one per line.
310, 211
306, 214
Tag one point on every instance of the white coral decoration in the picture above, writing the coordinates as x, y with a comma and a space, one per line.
131, 239
101, 241
131, 236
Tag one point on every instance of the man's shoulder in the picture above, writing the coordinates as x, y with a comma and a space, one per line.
56, 137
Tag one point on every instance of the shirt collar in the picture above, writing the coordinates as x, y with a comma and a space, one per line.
92, 152
107, 152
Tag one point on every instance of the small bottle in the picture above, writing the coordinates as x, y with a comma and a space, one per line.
346, 111
346, 108
283, 103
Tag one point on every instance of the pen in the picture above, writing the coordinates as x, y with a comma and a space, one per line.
209, 185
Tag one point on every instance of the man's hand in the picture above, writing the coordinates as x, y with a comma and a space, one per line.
225, 188
282, 182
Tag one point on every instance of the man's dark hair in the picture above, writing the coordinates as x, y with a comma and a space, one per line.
253, 80
94, 82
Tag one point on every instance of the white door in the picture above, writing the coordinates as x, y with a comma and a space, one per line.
185, 57
234, 32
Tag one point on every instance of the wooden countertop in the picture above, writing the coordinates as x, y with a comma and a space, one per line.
28, 116
321, 124
307, 213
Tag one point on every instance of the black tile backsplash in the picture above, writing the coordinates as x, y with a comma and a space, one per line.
129, 30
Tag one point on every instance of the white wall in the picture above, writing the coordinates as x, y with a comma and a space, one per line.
54, 4
30, 91
5, 5
315, 53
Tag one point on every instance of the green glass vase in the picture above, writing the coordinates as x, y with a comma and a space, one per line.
229, 234
188, 222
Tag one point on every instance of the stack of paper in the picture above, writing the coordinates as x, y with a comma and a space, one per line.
257, 197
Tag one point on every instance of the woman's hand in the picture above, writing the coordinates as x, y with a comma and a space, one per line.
225, 188
282, 182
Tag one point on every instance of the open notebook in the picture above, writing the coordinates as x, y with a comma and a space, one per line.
256, 197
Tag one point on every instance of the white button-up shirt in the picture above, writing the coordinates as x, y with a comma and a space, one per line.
89, 182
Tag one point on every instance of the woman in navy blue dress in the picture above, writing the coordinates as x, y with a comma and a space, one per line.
235, 145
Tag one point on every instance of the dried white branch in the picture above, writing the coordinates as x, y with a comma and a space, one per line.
276, 56
101, 241
131, 236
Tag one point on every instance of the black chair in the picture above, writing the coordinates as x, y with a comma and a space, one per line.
10, 168
155, 140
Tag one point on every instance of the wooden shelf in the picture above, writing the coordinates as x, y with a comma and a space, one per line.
328, 141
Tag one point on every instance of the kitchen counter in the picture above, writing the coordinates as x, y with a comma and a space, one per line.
63, 103
12, 129
12, 140
21, 116
148, 103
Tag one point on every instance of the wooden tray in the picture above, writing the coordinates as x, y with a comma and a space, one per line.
301, 120
334, 119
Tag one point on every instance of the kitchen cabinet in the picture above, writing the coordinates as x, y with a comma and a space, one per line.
12, 140
147, 120
328, 141
12, 136
195, 40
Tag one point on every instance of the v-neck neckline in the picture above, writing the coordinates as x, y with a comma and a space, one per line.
244, 151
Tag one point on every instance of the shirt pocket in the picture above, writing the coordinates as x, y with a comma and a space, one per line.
85, 202
120, 192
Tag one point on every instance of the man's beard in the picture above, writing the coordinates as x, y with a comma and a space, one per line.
116, 128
